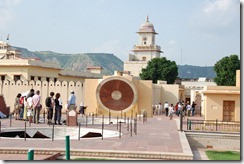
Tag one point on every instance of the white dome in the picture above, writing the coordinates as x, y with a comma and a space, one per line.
147, 27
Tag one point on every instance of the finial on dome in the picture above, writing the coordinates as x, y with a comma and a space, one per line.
147, 18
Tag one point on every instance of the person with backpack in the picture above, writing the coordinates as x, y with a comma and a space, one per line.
50, 105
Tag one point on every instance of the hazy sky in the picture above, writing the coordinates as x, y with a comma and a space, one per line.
193, 32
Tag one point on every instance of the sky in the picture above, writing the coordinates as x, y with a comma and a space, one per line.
192, 32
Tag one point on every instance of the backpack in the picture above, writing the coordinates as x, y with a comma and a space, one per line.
48, 102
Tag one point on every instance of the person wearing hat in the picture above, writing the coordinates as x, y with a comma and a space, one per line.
72, 101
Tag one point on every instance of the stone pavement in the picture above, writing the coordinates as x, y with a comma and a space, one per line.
156, 139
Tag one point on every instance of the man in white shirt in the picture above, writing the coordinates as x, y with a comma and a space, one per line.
166, 108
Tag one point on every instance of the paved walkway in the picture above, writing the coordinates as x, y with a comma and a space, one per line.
156, 139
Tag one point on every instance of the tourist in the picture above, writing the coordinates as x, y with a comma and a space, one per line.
72, 101
171, 111
29, 106
21, 101
82, 109
50, 105
179, 108
25, 109
32, 91
17, 106
36, 106
188, 107
157, 108
58, 109
176, 108
166, 108
193, 108
160, 108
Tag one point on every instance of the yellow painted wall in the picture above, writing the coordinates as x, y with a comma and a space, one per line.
238, 82
90, 96
145, 95
213, 105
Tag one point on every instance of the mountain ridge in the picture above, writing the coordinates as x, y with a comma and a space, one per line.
108, 61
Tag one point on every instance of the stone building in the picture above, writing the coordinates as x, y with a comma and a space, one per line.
144, 51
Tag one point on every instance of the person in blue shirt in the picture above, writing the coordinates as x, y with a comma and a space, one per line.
72, 101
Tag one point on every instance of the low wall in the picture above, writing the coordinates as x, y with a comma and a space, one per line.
216, 141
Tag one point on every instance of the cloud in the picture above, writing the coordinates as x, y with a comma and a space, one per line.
114, 47
215, 15
7, 12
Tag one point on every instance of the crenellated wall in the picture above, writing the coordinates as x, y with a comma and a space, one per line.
10, 89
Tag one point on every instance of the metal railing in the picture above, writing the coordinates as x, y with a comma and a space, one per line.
213, 125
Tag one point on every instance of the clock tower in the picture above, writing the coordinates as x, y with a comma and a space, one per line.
144, 51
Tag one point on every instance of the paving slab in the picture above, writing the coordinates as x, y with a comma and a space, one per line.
157, 138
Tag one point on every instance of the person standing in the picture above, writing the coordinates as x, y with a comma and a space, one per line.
82, 109
179, 109
72, 101
50, 105
29, 105
58, 109
36, 106
188, 108
22, 99
17, 106
171, 111
166, 108
193, 108
25, 109
160, 108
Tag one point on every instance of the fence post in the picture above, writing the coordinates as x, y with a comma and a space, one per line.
10, 122
120, 129
131, 127
135, 126
181, 124
25, 131
79, 133
109, 115
30, 154
44, 120
128, 123
125, 118
189, 124
216, 124
117, 122
92, 119
67, 148
102, 129
200, 111
187, 120
53, 133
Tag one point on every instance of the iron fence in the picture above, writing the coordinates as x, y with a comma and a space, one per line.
213, 125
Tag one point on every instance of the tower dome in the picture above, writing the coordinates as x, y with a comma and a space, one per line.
147, 27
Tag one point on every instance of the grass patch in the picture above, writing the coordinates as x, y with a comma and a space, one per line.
223, 155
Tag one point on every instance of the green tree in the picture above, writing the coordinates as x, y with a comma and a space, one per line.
160, 69
226, 70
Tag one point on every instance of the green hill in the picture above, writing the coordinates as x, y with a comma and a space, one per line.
109, 62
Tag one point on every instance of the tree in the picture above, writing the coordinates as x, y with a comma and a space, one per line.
160, 69
226, 70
